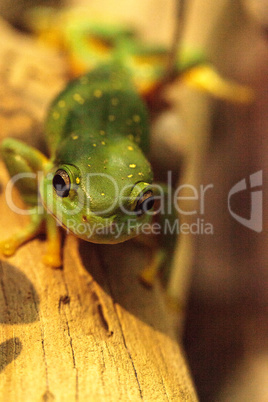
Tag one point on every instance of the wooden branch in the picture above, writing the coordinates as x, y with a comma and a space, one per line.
89, 331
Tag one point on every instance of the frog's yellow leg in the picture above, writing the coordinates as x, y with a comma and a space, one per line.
150, 272
52, 257
23, 163
9, 246
205, 78
148, 67
86, 41
89, 44
161, 245
191, 67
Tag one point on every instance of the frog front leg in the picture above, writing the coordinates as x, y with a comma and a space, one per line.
151, 270
9, 246
23, 164
161, 244
52, 257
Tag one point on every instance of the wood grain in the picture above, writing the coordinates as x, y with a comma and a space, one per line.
89, 331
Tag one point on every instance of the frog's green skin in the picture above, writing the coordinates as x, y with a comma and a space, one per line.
97, 132
97, 129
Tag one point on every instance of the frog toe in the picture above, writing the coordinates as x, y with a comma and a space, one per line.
52, 260
151, 270
8, 247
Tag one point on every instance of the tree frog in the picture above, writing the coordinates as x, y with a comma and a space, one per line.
97, 181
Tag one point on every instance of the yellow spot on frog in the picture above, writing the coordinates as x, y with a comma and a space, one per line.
140, 174
102, 194
111, 117
77, 180
136, 118
130, 148
78, 98
74, 136
132, 165
62, 103
89, 165
56, 115
94, 145
103, 142
130, 175
98, 93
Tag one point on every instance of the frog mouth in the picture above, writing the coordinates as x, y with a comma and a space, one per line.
107, 223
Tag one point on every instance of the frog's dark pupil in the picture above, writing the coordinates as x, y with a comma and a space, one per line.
145, 203
149, 203
61, 183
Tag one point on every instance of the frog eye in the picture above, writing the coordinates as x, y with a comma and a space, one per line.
62, 183
145, 203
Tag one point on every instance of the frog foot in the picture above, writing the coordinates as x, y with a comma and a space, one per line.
8, 247
146, 278
150, 272
52, 260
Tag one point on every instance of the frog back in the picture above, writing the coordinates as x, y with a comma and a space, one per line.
102, 103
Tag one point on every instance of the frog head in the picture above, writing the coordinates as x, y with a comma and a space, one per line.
103, 196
